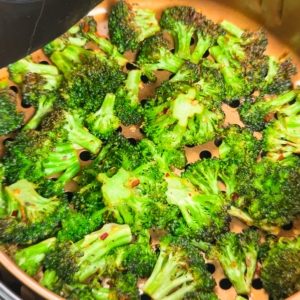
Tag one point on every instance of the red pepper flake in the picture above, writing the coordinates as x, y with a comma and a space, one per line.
104, 236
64, 157
167, 175
85, 28
234, 196
190, 194
268, 118
14, 213
281, 157
135, 182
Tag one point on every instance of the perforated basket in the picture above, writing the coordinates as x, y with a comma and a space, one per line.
280, 18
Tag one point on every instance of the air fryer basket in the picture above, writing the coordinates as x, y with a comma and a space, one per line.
280, 19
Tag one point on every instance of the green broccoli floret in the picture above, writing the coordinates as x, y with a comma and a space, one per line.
280, 268
30, 217
178, 116
188, 72
104, 121
237, 254
154, 54
267, 194
88, 28
67, 127
10, 118
89, 77
181, 22
30, 258
278, 78
2, 200
257, 112
130, 24
239, 144
74, 262
128, 108
180, 272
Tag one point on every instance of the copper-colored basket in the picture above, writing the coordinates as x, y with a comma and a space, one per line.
280, 19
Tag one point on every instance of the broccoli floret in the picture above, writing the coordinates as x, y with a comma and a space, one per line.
181, 22
2, 200
239, 144
267, 193
30, 258
154, 54
280, 268
89, 77
278, 78
104, 121
177, 117
237, 254
74, 262
129, 25
128, 107
10, 118
257, 112
40, 91
30, 217
188, 72
67, 127
88, 28
179, 273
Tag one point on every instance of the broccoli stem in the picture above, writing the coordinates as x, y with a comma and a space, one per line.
132, 86
202, 46
49, 279
232, 29
3, 211
273, 67
64, 64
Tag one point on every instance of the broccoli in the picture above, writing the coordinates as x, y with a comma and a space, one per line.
179, 273
237, 254
257, 112
154, 54
268, 193
68, 128
88, 78
34, 155
74, 262
2, 200
30, 217
104, 121
11, 119
188, 72
127, 106
278, 78
181, 22
175, 117
239, 144
129, 25
280, 268
30, 258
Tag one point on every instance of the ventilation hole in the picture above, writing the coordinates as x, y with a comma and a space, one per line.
143, 102
145, 79
205, 154
210, 268
130, 67
263, 154
7, 141
186, 166
271, 298
292, 102
145, 297
171, 76
119, 129
287, 226
245, 296
142, 130
172, 50
85, 156
206, 54
53, 178
276, 116
234, 103
218, 142
44, 62
192, 41
69, 195
157, 249
190, 146
14, 89
253, 227
25, 105
225, 284
132, 141
257, 283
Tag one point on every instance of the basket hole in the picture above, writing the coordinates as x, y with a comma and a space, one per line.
143, 102
145, 79
288, 226
132, 141
205, 154
85, 156
172, 50
69, 195
145, 297
206, 54
190, 146
14, 89
119, 129
263, 154
44, 62
192, 42
245, 296
25, 105
257, 283
210, 268
7, 141
130, 67
171, 76
186, 166
218, 142
225, 284
234, 103
142, 130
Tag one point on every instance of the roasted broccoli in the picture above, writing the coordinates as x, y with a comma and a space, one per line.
188, 72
